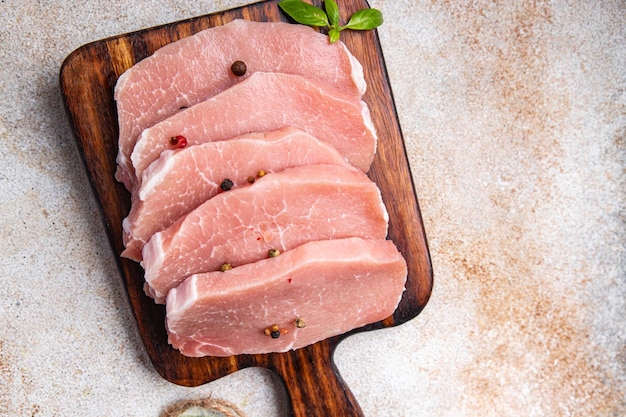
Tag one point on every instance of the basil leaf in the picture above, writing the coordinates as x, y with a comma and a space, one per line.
304, 13
332, 10
333, 35
365, 19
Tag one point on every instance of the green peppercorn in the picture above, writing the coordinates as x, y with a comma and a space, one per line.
226, 267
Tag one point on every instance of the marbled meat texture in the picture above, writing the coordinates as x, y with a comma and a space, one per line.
279, 211
197, 67
268, 101
332, 286
181, 180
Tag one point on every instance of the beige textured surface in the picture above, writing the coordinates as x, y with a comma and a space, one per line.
514, 115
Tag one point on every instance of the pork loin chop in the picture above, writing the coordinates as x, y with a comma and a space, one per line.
195, 68
268, 101
279, 211
315, 291
181, 180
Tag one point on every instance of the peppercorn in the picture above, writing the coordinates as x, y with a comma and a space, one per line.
272, 253
250, 179
261, 173
226, 185
238, 68
226, 267
179, 141
274, 331
300, 323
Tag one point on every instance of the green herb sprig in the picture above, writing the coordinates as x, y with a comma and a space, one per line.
307, 14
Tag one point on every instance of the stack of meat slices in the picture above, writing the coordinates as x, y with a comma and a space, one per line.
252, 215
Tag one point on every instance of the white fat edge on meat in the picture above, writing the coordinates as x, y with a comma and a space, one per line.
128, 229
153, 251
123, 172
153, 175
357, 72
202, 345
179, 299
383, 207
369, 123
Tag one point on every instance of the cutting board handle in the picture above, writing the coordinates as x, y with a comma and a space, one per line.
313, 383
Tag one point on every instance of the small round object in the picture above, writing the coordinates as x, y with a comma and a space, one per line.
179, 141
226, 185
238, 68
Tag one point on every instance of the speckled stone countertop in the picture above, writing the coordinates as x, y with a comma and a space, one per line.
514, 117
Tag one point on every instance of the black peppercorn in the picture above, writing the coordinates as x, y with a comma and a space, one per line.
226, 185
274, 331
238, 68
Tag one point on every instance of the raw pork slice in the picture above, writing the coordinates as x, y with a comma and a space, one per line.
268, 101
179, 181
279, 211
329, 287
195, 68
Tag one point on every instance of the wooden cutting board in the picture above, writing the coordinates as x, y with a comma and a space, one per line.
314, 386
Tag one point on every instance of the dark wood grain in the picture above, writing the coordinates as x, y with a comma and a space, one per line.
314, 386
